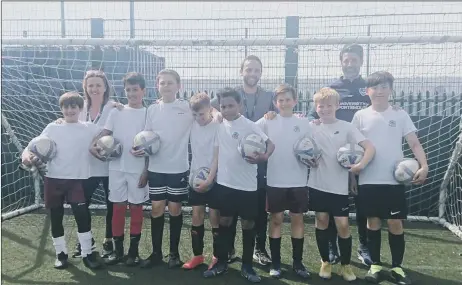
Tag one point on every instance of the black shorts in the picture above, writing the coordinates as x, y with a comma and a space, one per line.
237, 202
91, 184
208, 198
166, 186
325, 202
293, 199
383, 201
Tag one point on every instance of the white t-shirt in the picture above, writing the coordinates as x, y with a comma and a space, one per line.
329, 176
386, 131
172, 121
202, 144
284, 170
97, 167
125, 124
233, 171
72, 154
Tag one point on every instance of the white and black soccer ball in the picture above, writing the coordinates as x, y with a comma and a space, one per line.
198, 176
251, 144
110, 147
405, 170
349, 155
148, 141
43, 148
306, 151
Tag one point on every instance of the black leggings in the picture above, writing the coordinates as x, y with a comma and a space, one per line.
81, 215
89, 186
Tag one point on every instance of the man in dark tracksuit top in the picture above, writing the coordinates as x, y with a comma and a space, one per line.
256, 102
352, 90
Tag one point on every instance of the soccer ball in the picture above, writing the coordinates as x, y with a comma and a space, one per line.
306, 151
43, 148
147, 141
349, 155
405, 170
197, 176
250, 144
110, 147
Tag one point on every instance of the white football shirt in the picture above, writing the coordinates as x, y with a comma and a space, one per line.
98, 168
72, 154
125, 124
386, 131
284, 169
233, 171
329, 176
172, 121
202, 144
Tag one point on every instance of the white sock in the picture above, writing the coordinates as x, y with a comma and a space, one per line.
85, 243
60, 245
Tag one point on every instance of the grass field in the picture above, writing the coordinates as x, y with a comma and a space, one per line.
432, 257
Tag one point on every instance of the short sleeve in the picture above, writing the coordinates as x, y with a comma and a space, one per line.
355, 121
262, 124
258, 131
356, 135
46, 131
148, 121
110, 120
408, 125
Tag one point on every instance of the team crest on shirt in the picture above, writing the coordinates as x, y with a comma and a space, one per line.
235, 135
362, 91
296, 129
392, 123
336, 132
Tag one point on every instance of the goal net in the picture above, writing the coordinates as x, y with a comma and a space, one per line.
35, 72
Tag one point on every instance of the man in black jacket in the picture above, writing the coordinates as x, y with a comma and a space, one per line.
352, 90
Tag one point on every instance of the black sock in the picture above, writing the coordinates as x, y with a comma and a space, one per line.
275, 249
261, 227
297, 249
344, 245
322, 240
110, 210
176, 222
134, 245
119, 245
232, 234
56, 217
157, 232
374, 240
397, 247
248, 244
197, 239
361, 222
214, 241
222, 243
332, 230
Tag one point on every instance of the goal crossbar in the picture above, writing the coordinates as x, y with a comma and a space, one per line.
235, 42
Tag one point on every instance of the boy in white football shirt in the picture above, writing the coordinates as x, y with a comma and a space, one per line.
202, 140
236, 183
127, 174
382, 196
65, 175
286, 179
168, 169
329, 181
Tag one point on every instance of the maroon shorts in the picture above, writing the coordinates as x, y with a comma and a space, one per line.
58, 191
281, 199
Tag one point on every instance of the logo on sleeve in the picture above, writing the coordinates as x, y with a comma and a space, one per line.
296, 129
392, 123
235, 135
362, 91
